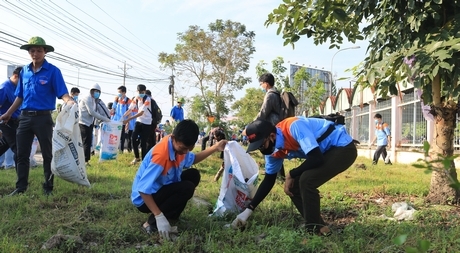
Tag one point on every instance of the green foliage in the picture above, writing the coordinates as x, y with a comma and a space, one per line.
426, 31
422, 245
278, 70
248, 106
429, 165
214, 61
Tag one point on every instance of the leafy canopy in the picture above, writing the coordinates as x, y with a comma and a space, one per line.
409, 41
214, 61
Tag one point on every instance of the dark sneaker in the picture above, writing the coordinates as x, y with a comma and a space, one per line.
374, 163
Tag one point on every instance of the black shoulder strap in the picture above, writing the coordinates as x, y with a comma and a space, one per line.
329, 130
106, 114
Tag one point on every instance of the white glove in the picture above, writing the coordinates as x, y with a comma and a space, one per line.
163, 226
240, 221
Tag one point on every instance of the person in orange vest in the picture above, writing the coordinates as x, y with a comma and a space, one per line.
383, 137
327, 149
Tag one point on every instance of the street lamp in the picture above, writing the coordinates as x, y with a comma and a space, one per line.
332, 61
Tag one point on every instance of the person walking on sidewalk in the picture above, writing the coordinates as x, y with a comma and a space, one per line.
383, 137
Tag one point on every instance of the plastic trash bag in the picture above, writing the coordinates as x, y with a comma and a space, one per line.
110, 140
68, 160
239, 182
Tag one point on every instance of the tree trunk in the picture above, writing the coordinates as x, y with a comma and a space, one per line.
440, 148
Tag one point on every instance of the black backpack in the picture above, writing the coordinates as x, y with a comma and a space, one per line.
334, 117
288, 104
155, 110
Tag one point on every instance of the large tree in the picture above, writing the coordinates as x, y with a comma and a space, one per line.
214, 61
278, 71
409, 41
248, 106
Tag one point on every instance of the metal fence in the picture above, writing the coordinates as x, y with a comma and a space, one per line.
412, 126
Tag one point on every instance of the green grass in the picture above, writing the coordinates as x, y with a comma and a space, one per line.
104, 218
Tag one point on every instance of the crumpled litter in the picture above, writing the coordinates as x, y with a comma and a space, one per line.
402, 211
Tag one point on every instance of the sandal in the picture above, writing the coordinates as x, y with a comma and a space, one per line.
148, 229
324, 231
135, 161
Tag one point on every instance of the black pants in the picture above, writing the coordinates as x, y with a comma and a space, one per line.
143, 131
152, 140
122, 138
42, 127
205, 140
172, 198
381, 150
306, 195
87, 139
9, 137
129, 137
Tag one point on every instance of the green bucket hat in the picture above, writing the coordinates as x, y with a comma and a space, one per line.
37, 42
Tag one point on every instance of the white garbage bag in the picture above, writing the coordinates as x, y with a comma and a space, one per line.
68, 160
239, 182
110, 140
403, 211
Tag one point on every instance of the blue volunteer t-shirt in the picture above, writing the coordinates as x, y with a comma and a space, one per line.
39, 90
296, 137
382, 131
161, 166
7, 98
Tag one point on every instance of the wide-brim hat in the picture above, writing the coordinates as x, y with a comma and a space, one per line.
257, 132
37, 42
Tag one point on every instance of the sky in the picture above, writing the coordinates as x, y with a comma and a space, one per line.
95, 39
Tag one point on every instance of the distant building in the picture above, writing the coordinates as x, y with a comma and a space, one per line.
315, 73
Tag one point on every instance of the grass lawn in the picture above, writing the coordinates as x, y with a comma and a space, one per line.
105, 220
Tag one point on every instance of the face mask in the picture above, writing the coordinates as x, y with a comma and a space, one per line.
269, 150
264, 90
96, 95
119, 95
376, 121
141, 95
75, 98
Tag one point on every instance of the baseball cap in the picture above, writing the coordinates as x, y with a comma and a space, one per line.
257, 131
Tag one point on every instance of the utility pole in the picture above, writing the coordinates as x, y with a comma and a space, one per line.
124, 71
78, 66
171, 88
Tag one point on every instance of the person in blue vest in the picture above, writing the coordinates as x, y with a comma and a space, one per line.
383, 137
165, 180
8, 131
40, 83
327, 150
120, 106
177, 112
